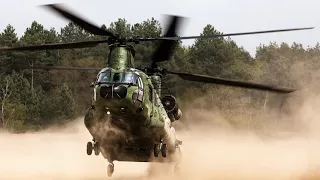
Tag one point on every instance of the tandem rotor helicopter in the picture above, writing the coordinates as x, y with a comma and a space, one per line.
129, 119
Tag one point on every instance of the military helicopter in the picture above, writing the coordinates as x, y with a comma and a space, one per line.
129, 119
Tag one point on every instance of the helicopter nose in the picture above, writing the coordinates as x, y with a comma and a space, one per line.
113, 91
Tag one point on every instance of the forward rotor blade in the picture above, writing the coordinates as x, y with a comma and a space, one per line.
223, 35
59, 67
83, 44
57, 8
166, 48
228, 82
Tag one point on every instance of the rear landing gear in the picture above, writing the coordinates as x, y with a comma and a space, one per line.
156, 150
93, 147
163, 149
110, 169
160, 148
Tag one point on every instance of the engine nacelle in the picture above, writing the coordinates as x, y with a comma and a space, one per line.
169, 103
171, 106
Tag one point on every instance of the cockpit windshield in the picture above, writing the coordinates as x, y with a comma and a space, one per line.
130, 78
116, 77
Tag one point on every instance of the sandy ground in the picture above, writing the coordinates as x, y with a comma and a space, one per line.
208, 154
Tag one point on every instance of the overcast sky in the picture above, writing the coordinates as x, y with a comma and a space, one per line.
227, 16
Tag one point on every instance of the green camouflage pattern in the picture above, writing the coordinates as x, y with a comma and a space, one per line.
120, 58
140, 115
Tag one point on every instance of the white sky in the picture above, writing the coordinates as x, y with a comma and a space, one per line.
227, 16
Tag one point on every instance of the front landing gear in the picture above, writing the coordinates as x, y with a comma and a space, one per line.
95, 147
176, 168
160, 148
89, 148
178, 157
110, 169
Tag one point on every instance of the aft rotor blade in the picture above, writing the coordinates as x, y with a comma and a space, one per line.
60, 67
229, 82
79, 21
223, 35
83, 44
166, 48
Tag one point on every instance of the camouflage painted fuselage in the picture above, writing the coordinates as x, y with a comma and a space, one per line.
127, 117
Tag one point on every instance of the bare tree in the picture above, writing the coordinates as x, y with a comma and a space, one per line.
6, 93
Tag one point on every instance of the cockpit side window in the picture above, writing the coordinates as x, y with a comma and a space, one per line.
140, 83
140, 89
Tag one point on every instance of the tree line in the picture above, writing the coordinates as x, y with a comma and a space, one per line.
36, 99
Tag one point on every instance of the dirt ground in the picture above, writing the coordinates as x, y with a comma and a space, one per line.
61, 154
207, 153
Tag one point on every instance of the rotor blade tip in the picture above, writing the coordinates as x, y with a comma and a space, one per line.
52, 5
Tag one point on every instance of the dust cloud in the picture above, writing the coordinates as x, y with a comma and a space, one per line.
208, 152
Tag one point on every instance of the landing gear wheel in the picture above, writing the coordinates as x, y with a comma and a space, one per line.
156, 150
164, 150
110, 169
89, 148
96, 148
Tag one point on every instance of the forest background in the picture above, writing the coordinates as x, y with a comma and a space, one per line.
33, 100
